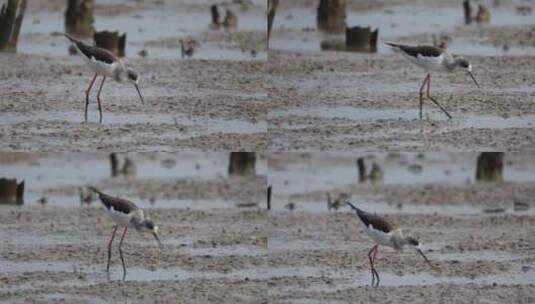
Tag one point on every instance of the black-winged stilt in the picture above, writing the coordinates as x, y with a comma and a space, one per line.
125, 214
432, 58
383, 233
102, 62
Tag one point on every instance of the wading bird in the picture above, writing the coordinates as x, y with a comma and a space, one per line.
103, 63
432, 58
382, 232
125, 214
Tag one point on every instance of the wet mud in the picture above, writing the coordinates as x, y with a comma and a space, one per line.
326, 100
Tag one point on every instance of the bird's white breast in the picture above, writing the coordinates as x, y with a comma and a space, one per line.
379, 237
101, 68
428, 63
120, 218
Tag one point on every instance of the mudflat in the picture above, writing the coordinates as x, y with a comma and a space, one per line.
326, 100
212, 101
475, 234
213, 228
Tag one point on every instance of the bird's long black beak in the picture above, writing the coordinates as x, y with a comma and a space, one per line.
473, 78
141, 97
157, 239
425, 258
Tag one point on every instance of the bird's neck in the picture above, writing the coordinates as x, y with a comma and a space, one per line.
451, 64
119, 74
138, 223
398, 240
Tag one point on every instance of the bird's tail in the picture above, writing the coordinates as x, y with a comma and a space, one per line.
394, 45
69, 37
95, 190
353, 206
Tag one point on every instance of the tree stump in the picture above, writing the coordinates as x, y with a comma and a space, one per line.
272, 9
490, 167
333, 43
216, 18
111, 41
332, 16
362, 169
10, 192
79, 18
114, 162
269, 197
361, 39
11, 16
242, 163
467, 12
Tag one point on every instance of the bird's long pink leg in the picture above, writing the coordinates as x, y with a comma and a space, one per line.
109, 248
121, 252
98, 99
87, 95
426, 80
373, 259
375, 253
372, 267
433, 100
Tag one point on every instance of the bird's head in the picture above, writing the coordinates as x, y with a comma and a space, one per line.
466, 66
415, 243
132, 76
463, 64
412, 242
149, 226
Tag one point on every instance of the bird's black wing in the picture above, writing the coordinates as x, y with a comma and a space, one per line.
414, 51
95, 52
89, 51
116, 203
370, 219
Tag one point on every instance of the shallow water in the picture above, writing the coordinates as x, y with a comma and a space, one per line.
317, 174
141, 27
360, 115
378, 207
396, 23
54, 171
206, 125
472, 256
344, 279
